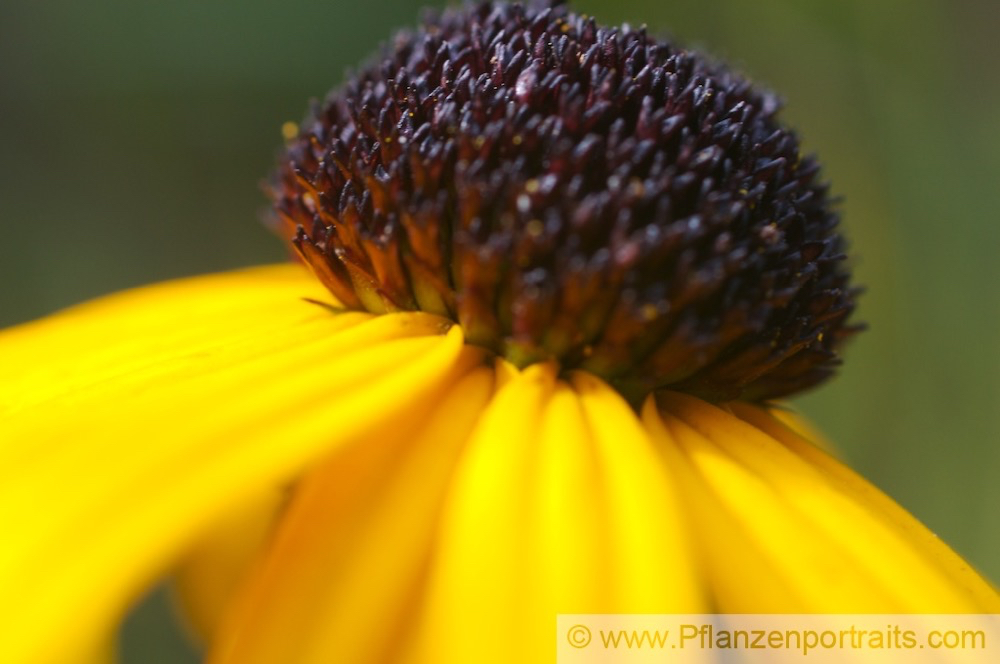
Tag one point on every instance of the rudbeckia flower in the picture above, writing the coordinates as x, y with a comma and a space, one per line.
557, 276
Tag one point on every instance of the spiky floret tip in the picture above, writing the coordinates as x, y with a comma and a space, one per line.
574, 192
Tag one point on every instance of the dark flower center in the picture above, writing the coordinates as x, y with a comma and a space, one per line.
568, 191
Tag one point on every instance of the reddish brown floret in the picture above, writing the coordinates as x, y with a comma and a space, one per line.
568, 191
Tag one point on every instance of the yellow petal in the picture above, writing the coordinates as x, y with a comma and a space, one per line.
877, 503
812, 575
206, 579
763, 586
567, 522
476, 586
844, 558
353, 545
105, 481
105, 653
784, 414
653, 568
134, 330
560, 505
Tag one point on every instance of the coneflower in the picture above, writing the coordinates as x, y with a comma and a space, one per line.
562, 269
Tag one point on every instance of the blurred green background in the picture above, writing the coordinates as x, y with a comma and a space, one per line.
134, 135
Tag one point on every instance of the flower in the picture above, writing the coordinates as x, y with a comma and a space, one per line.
569, 268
